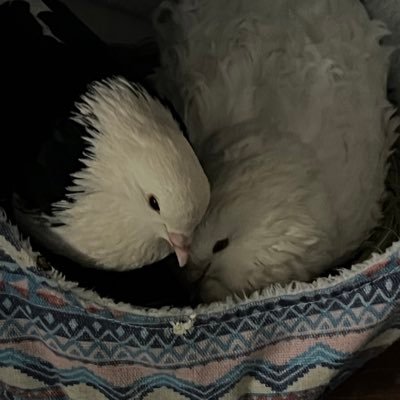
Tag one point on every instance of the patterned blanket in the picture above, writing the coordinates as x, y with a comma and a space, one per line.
61, 342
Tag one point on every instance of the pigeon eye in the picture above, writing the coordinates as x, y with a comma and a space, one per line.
220, 245
154, 203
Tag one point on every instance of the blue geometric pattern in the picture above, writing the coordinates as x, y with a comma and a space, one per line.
127, 339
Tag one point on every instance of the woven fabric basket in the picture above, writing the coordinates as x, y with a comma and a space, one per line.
60, 342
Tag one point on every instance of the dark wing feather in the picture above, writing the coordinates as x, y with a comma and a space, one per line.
46, 180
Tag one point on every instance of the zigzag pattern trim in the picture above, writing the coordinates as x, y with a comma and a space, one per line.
276, 377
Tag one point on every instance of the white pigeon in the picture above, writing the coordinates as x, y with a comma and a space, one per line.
141, 190
106, 176
285, 104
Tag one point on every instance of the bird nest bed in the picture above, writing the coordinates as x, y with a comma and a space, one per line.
59, 341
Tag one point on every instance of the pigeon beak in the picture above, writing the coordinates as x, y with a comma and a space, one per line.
181, 246
182, 255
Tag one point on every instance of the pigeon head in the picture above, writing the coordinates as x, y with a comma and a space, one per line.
142, 191
223, 259
241, 246
255, 234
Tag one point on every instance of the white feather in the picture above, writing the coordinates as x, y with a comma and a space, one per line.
285, 103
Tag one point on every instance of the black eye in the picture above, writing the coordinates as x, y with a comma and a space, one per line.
220, 245
154, 203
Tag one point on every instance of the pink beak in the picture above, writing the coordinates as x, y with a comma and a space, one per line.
181, 244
